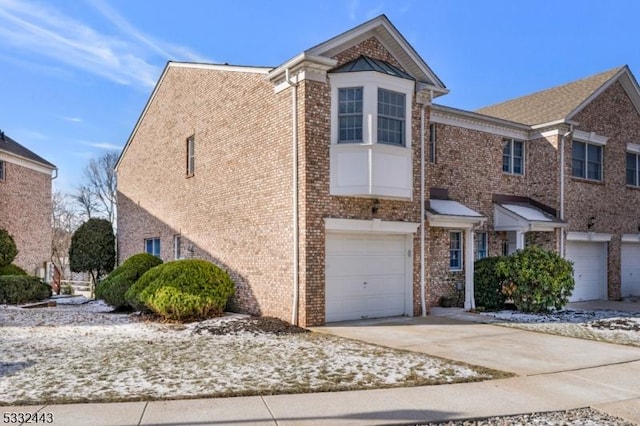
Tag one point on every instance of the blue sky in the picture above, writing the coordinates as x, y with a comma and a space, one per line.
76, 74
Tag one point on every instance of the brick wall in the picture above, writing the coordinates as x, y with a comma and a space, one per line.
25, 212
236, 209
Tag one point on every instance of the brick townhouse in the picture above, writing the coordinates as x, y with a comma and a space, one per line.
25, 202
332, 187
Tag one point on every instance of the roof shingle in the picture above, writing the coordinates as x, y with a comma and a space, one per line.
11, 146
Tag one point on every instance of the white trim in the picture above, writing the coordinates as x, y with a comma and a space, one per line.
220, 67
375, 225
479, 123
633, 148
27, 163
589, 137
460, 222
588, 236
631, 238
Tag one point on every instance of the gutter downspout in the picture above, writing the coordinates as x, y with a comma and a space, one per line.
296, 232
54, 175
562, 142
423, 302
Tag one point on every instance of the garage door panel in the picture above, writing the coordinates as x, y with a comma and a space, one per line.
589, 265
366, 276
630, 272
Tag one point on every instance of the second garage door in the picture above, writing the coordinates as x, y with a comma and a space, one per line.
630, 270
366, 276
589, 269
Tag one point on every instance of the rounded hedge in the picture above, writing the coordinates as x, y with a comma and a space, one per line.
17, 289
113, 288
183, 290
12, 270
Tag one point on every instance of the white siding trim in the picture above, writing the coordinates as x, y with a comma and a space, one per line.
375, 225
589, 137
588, 236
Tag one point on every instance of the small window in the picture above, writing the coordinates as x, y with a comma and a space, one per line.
191, 156
2, 170
350, 115
177, 247
586, 161
513, 157
432, 143
455, 251
632, 169
481, 245
391, 117
152, 246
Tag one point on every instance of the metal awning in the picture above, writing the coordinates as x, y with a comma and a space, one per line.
452, 214
524, 218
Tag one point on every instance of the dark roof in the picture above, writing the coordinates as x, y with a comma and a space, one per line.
551, 104
365, 63
9, 145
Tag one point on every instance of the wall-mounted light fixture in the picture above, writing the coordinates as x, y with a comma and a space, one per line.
375, 206
591, 222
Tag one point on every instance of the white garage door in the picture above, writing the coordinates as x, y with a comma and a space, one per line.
630, 270
366, 276
589, 270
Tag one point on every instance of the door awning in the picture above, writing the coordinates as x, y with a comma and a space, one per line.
524, 217
452, 214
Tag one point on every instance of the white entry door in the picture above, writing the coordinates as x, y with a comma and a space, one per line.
366, 276
589, 269
630, 270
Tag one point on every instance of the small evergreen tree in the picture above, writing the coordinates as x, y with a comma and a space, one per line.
8, 250
93, 248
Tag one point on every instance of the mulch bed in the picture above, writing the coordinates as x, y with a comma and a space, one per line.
254, 325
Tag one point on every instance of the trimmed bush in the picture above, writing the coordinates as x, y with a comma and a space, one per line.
113, 288
8, 250
93, 248
17, 289
539, 279
488, 285
183, 290
12, 270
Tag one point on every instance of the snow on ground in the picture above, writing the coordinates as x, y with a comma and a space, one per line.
602, 325
80, 352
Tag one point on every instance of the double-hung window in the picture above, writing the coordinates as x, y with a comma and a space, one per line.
391, 117
481, 245
350, 115
513, 157
191, 156
586, 161
177, 247
633, 169
152, 246
455, 250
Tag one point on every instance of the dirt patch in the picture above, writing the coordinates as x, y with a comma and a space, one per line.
252, 325
626, 324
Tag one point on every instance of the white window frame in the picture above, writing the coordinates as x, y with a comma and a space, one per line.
350, 114
153, 246
433, 129
460, 251
191, 155
371, 81
511, 142
586, 160
481, 238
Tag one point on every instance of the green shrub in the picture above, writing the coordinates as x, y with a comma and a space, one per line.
93, 248
8, 250
539, 279
488, 285
16, 289
12, 270
183, 290
113, 288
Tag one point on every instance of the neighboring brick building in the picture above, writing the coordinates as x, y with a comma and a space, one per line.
304, 180
25, 202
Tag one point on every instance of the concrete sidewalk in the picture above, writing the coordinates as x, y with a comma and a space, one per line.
554, 373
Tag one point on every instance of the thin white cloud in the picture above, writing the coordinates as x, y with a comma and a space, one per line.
104, 145
73, 119
128, 59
